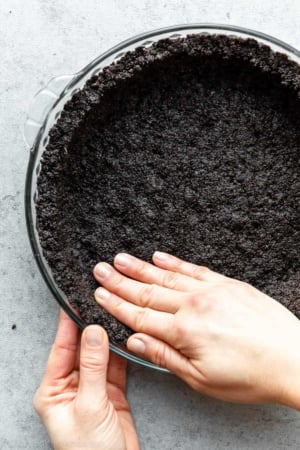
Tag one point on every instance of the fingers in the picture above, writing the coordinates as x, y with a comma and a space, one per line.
62, 357
146, 320
148, 273
94, 354
163, 355
169, 262
141, 294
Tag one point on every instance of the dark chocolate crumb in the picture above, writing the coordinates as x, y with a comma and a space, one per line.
190, 146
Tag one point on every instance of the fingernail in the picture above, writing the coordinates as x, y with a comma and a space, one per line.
102, 294
102, 271
161, 256
137, 346
94, 336
122, 259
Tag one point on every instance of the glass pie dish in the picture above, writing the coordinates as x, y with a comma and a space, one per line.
48, 104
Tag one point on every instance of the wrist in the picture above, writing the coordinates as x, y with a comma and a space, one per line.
292, 395
290, 379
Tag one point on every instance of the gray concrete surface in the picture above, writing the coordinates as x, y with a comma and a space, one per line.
40, 39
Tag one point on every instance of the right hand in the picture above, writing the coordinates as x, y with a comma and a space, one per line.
222, 336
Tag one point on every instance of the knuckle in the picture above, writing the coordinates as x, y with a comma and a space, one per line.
116, 305
193, 300
170, 280
91, 362
141, 318
161, 355
200, 272
146, 295
118, 282
179, 265
200, 302
181, 328
141, 268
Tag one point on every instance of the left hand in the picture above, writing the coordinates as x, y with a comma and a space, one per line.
81, 399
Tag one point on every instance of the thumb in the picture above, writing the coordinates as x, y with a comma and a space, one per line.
163, 355
94, 354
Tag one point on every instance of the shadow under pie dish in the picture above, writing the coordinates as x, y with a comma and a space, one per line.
183, 140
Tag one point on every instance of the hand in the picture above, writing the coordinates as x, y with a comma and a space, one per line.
222, 336
81, 399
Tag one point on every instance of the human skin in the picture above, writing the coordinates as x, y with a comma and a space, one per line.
81, 399
222, 336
